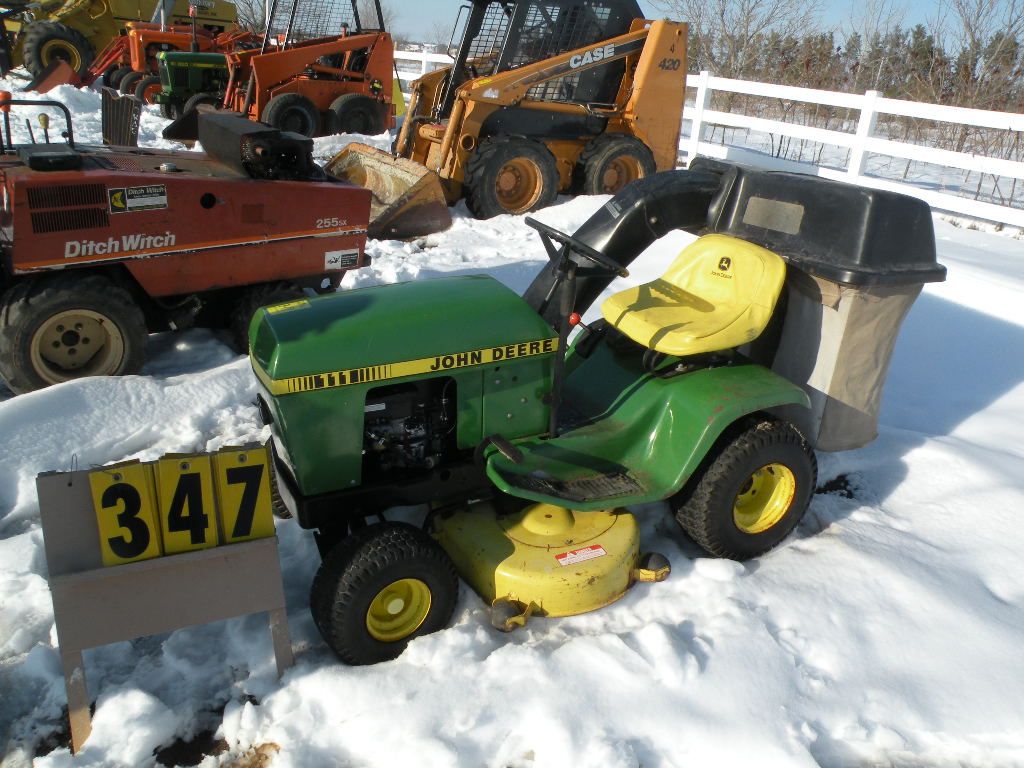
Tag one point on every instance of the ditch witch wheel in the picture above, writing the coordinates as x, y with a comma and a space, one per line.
379, 588
66, 328
252, 298
752, 494
510, 176
610, 162
49, 41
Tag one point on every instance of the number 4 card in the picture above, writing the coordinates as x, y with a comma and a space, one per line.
188, 517
243, 493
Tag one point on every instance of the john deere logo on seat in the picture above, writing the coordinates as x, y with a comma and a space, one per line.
724, 263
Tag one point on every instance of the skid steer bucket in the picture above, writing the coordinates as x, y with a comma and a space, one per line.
57, 72
408, 200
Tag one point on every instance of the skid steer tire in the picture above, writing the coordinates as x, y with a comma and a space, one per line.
127, 85
379, 588
355, 113
47, 41
68, 327
147, 88
113, 78
610, 162
752, 493
251, 299
510, 175
292, 112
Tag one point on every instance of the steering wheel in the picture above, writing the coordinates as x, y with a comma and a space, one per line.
584, 250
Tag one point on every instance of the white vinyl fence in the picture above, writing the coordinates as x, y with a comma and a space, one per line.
852, 148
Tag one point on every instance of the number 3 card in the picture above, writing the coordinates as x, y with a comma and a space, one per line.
125, 503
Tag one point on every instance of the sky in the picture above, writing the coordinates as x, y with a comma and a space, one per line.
417, 19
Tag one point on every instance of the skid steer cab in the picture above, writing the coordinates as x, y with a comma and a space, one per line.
708, 387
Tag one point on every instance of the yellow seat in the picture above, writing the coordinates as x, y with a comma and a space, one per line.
719, 293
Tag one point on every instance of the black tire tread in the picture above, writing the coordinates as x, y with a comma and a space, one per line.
695, 506
349, 566
349, 101
127, 85
203, 97
37, 34
585, 174
17, 305
142, 84
488, 154
278, 105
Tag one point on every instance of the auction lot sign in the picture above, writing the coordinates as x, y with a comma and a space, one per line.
138, 549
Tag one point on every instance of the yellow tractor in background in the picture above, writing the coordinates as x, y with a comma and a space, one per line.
36, 35
542, 98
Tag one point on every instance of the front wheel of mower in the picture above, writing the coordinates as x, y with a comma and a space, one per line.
252, 298
510, 175
356, 113
68, 327
292, 112
127, 85
610, 162
752, 494
50, 41
147, 88
379, 588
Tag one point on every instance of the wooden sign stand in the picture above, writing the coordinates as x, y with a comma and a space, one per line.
95, 605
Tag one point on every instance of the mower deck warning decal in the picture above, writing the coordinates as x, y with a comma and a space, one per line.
331, 379
580, 555
128, 199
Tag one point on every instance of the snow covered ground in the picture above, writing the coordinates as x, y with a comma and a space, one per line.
888, 630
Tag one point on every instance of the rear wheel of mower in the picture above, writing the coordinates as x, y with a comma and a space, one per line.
356, 113
147, 88
752, 494
128, 83
510, 176
50, 41
610, 162
251, 299
197, 99
380, 587
69, 327
292, 112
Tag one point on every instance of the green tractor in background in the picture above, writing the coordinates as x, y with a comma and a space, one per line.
190, 79
709, 388
36, 35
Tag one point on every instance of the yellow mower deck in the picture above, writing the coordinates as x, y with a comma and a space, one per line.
546, 560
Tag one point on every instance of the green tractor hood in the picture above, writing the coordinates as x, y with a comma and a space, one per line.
316, 360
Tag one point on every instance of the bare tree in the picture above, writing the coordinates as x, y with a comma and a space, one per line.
726, 36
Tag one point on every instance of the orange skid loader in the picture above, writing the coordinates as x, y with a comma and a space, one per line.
591, 119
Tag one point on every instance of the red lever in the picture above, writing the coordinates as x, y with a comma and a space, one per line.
574, 319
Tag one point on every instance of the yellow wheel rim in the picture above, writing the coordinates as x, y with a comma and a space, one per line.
764, 498
76, 343
61, 49
398, 610
518, 185
620, 172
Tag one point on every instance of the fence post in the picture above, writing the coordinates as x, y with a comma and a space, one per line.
865, 127
700, 102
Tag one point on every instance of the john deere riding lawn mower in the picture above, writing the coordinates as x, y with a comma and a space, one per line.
709, 388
